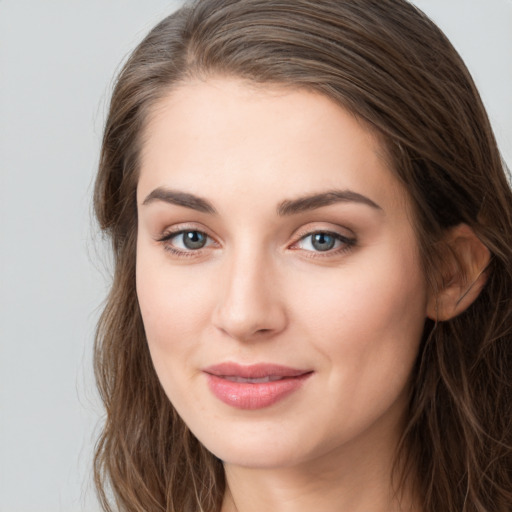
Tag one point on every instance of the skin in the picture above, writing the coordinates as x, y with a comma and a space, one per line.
260, 291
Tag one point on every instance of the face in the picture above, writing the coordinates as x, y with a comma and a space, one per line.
278, 273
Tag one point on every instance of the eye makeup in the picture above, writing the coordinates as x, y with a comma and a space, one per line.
315, 243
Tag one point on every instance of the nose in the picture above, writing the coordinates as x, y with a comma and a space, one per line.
251, 304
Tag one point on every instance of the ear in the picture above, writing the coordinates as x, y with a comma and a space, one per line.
462, 274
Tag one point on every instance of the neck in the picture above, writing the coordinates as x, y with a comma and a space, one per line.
295, 491
355, 478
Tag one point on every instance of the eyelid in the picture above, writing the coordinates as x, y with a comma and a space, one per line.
173, 231
170, 231
312, 228
348, 240
173, 234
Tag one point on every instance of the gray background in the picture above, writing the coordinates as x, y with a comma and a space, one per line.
57, 61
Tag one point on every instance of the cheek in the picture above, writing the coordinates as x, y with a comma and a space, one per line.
385, 289
171, 311
171, 297
173, 307
367, 318
365, 326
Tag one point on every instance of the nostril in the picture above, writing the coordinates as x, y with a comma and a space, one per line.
248, 307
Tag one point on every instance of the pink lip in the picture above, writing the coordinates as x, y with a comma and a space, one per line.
253, 395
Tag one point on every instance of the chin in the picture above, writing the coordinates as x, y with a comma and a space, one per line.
258, 458
259, 447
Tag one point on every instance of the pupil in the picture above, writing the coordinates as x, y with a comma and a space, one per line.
194, 239
323, 241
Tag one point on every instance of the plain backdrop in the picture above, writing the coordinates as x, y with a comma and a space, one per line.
57, 62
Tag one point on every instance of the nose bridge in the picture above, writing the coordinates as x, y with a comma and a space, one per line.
249, 301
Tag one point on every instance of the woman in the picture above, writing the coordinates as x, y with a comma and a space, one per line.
312, 230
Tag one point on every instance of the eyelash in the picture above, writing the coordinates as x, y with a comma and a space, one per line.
169, 235
347, 243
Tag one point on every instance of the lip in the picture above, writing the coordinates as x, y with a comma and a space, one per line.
231, 383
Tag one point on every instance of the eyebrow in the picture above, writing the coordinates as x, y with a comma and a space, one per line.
180, 199
285, 208
312, 202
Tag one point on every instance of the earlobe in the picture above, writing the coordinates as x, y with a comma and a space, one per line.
462, 274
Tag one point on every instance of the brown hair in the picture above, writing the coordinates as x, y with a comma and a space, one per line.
386, 62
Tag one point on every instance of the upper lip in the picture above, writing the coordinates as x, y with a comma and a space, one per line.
253, 371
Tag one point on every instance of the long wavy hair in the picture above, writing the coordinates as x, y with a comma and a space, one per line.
388, 64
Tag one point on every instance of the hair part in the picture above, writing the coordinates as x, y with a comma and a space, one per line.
388, 64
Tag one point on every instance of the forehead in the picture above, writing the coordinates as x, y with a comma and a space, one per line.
225, 136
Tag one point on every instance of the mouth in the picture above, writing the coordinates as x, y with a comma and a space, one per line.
254, 386
269, 378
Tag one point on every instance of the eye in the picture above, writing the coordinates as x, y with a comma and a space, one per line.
324, 241
186, 240
191, 239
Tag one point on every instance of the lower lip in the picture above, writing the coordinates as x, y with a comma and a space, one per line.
245, 395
